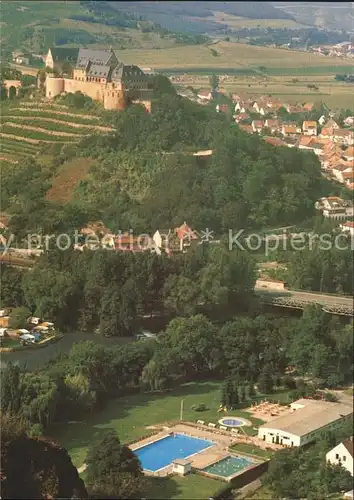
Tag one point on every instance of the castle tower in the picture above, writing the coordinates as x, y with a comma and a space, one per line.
115, 99
53, 86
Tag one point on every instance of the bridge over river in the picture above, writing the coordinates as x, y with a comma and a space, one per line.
333, 304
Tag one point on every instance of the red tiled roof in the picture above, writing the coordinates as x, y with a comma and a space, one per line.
246, 128
185, 232
274, 141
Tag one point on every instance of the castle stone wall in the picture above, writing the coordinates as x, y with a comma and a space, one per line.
54, 87
91, 89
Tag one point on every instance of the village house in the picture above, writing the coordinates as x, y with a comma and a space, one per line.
186, 236
243, 107
349, 121
348, 227
311, 143
241, 117
273, 125
343, 136
349, 153
274, 141
331, 123
205, 95
342, 454
342, 172
335, 208
257, 126
309, 128
246, 128
259, 108
290, 130
308, 106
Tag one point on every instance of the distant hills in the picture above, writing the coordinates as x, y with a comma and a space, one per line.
195, 16
329, 15
36, 25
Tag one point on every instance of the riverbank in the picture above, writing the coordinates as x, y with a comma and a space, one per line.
38, 345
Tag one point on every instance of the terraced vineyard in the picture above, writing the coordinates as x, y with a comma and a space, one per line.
26, 127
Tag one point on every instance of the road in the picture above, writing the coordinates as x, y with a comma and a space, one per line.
300, 299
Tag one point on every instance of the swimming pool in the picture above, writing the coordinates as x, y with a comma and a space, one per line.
159, 454
229, 466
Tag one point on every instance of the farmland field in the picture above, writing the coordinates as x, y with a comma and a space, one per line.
228, 55
242, 22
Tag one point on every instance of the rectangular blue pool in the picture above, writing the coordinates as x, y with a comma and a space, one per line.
159, 454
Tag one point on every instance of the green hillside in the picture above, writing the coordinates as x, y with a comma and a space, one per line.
36, 25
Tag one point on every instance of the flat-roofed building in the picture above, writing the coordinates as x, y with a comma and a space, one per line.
306, 422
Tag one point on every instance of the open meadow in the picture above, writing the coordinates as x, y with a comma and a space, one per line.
231, 55
254, 70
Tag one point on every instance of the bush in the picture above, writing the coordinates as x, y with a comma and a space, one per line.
200, 407
288, 382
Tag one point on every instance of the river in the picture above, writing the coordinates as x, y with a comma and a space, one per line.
34, 359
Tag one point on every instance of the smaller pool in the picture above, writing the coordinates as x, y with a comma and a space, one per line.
233, 422
229, 466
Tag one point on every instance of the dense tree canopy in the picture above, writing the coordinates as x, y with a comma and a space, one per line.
113, 471
35, 468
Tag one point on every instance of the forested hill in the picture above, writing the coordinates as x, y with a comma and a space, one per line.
34, 26
132, 183
197, 16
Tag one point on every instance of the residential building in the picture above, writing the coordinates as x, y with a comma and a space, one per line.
257, 126
274, 141
309, 128
322, 120
241, 117
343, 136
273, 125
259, 108
246, 128
349, 153
348, 227
57, 56
186, 236
98, 74
205, 95
342, 454
335, 208
290, 130
332, 124
309, 420
308, 106
349, 121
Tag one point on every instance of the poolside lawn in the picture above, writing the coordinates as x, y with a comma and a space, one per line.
251, 450
130, 416
192, 486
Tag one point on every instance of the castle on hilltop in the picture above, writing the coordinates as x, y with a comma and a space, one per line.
98, 74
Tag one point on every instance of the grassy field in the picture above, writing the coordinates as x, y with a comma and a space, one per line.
228, 55
242, 22
192, 487
131, 415
251, 450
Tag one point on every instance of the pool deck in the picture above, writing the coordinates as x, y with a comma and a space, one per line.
199, 460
